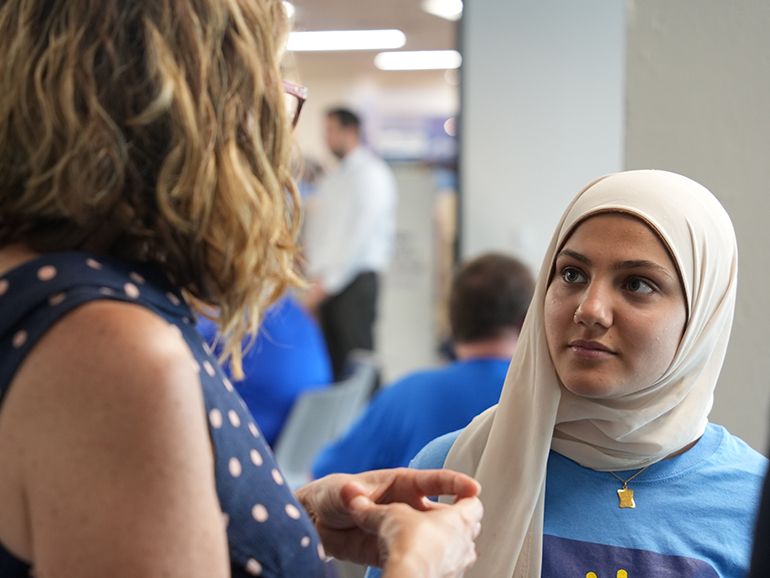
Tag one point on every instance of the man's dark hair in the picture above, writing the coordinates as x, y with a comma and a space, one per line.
345, 117
490, 295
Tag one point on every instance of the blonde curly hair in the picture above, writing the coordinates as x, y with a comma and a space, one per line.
153, 130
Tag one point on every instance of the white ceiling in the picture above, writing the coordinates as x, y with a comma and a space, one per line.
423, 31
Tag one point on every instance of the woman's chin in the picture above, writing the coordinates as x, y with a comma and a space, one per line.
593, 389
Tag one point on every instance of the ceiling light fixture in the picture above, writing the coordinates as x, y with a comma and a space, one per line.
449, 9
346, 40
418, 60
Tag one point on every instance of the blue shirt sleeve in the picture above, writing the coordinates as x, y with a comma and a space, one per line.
433, 455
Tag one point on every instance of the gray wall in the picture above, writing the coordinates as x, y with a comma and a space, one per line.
698, 103
542, 115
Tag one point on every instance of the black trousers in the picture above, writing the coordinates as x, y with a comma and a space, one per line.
347, 319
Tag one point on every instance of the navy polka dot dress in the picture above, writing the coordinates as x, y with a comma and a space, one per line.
268, 532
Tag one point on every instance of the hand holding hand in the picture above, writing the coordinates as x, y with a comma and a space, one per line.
384, 518
437, 543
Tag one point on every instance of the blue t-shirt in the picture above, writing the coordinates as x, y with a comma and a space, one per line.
288, 357
418, 408
694, 514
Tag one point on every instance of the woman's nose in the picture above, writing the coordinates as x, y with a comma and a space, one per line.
595, 307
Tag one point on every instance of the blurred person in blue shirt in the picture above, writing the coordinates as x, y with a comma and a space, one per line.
488, 301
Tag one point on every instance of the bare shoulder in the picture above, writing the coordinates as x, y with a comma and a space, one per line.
108, 357
107, 410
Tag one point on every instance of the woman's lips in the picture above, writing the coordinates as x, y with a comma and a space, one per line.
590, 349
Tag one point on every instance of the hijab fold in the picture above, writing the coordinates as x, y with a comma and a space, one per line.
506, 447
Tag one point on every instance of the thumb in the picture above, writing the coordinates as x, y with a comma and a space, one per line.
366, 514
351, 490
471, 509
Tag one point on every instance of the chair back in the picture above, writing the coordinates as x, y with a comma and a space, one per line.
320, 416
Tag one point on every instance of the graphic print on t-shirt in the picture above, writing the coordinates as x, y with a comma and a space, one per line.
565, 558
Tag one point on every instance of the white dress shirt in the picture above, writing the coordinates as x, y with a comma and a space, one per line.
353, 224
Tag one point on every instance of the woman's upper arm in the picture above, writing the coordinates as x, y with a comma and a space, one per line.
433, 455
118, 468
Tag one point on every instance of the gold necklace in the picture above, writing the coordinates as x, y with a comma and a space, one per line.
627, 496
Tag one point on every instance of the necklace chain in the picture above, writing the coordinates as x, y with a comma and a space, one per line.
625, 482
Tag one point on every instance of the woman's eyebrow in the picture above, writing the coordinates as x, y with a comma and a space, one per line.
644, 264
575, 255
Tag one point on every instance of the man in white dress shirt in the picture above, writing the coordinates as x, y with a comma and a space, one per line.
349, 239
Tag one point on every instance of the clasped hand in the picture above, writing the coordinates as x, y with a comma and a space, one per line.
384, 518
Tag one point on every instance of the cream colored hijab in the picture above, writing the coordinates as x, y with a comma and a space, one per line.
506, 447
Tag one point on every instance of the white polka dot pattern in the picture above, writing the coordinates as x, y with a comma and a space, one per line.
56, 299
131, 290
19, 339
259, 512
215, 418
253, 567
136, 277
46, 273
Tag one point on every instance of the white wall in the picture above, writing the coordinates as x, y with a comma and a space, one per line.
699, 104
542, 115
406, 336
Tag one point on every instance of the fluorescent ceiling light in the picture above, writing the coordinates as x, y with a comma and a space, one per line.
449, 9
346, 40
419, 60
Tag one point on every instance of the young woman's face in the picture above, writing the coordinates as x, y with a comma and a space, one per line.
615, 309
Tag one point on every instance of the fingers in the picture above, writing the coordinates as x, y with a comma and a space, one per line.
367, 515
410, 486
351, 489
437, 543
440, 482
472, 511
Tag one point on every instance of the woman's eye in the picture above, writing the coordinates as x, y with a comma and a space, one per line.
571, 275
639, 286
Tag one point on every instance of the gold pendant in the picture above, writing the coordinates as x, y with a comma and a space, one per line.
626, 498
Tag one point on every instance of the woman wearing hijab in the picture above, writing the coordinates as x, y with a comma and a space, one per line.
144, 177
599, 461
